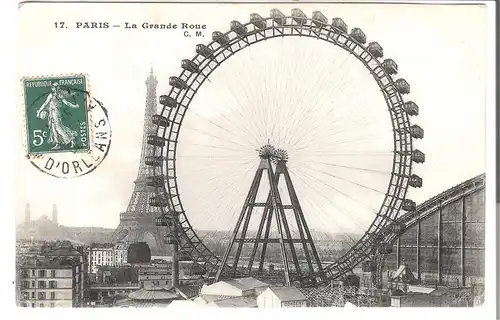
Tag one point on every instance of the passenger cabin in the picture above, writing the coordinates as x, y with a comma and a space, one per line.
298, 16
415, 181
168, 101
319, 19
153, 161
163, 220
416, 132
237, 27
338, 23
168, 239
204, 51
154, 140
390, 66
402, 86
257, 21
158, 201
155, 181
411, 108
385, 248
409, 205
418, 156
160, 120
358, 35
278, 17
177, 83
190, 66
368, 266
220, 38
398, 228
375, 49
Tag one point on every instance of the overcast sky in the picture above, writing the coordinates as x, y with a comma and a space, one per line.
440, 50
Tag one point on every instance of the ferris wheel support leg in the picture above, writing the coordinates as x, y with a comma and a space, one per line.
266, 236
253, 189
249, 210
280, 214
301, 223
267, 212
279, 171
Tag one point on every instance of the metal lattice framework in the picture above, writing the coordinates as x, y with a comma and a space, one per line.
224, 45
139, 217
424, 210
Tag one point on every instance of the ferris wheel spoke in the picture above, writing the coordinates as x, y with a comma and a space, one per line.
357, 202
221, 192
338, 78
313, 202
221, 138
352, 168
370, 209
220, 127
346, 180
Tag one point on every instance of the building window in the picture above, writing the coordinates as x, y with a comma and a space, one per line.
41, 295
33, 284
32, 295
33, 305
52, 296
41, 305
52, 305
25, 285
33, 273
41, 273
41, 284
25, 274
53, 273
52, 284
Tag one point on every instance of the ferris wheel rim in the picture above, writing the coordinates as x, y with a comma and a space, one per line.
400, 129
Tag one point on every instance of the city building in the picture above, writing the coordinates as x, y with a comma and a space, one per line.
281, 297
107, 255
150, 277
50, 282
120, 254
100, 255
154, 277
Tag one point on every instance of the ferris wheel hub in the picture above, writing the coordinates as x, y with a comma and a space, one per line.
268, 151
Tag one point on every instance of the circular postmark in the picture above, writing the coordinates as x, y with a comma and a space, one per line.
67, 131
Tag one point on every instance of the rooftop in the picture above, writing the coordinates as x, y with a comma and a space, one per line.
167, 293
246, 283
236, 302
288, 293
53, 263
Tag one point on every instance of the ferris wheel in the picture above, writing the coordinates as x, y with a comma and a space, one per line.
328, 112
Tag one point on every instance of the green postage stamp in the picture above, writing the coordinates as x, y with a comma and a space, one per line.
67, 131
56, 114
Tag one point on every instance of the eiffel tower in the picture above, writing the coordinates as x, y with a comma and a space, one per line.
274, 208
139, 218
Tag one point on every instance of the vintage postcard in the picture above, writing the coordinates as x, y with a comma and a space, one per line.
254, 155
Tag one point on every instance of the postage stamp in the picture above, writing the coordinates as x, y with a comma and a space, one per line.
56, 115
67, 130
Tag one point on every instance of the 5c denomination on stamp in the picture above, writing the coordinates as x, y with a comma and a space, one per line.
67, 130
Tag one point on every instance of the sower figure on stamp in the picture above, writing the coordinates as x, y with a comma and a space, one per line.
58, 132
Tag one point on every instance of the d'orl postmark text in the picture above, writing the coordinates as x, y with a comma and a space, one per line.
67, 130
